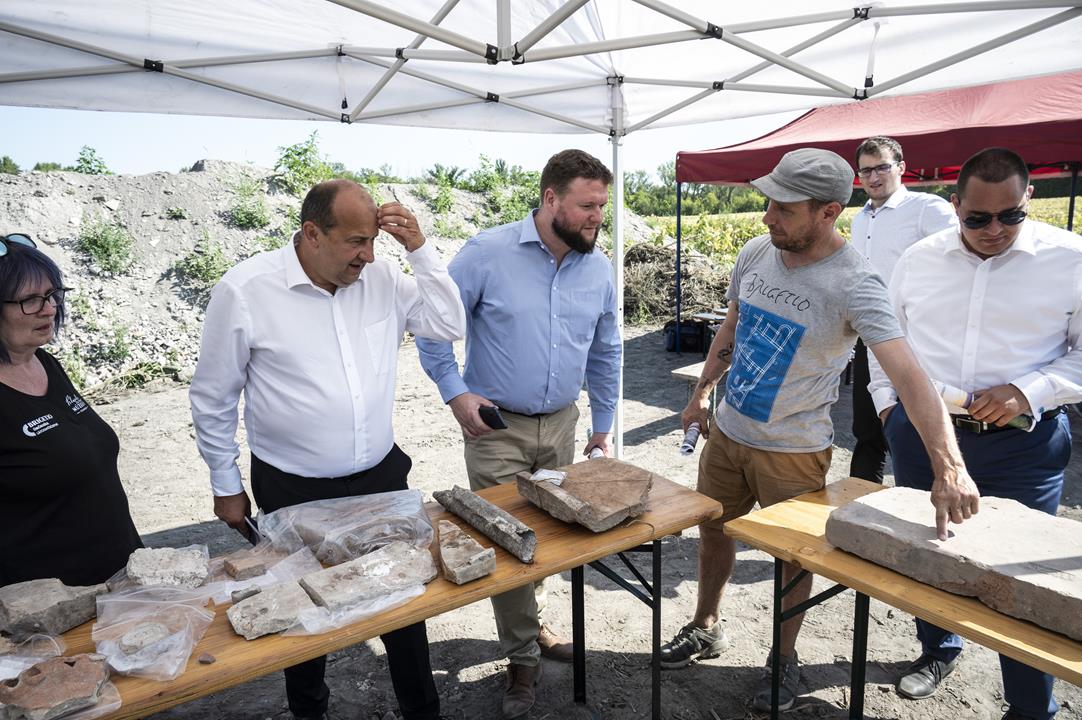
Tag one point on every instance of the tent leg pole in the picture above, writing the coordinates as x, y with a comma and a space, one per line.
679, 187
1074, 194
618, 269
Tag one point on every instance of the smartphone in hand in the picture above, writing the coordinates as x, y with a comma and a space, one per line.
490, 415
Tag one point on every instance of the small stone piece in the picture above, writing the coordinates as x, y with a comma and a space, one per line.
184, 567
237, 595
1014, 559
46, 606
245, 565
141, 636
500, 526
207, 659
273, 610
461, 557
53, 688
392, 567
598, 495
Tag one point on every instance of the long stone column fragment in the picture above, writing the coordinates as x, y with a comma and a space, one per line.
503, 528
1016, 560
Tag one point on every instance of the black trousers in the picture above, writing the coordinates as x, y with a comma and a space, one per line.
407, 649
870, 452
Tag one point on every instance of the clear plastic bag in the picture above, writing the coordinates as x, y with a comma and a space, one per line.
341, 529
150, 631
29, 652
220, 584
192, 574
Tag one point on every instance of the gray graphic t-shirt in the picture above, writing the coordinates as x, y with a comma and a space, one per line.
793, 337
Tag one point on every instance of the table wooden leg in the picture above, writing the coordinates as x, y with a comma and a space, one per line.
860, 657
578, 634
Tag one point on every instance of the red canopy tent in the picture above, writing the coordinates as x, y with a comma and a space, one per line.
1039, 118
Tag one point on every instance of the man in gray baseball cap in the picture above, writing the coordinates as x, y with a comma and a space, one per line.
798, 299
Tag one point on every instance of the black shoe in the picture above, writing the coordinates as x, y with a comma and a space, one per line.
921, 679
1012, 715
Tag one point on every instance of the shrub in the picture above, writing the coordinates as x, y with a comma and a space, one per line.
90, 163
47, 167
176, 213
452, 230
205, 265
249, 209
299, 167
9, 166
263, 243
117, 348
108, 244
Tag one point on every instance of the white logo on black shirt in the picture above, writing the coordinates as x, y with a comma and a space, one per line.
41, 425
75, 403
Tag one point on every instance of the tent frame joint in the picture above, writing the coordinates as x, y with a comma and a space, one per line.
517, 58
861, 94
615, 80
339, 51
153, 65
718, 85
346, 119
861, 13
492, 97
714, 31
492, 54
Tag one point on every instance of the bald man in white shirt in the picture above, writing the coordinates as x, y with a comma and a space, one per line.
994, 309
310, 334
893, 219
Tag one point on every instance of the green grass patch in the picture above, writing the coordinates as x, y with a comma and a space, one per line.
108, 244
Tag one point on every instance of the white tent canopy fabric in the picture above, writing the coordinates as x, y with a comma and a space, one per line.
541, 66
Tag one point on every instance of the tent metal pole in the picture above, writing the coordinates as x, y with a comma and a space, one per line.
992, 44
393, 70
679, 288
503, 27
1074, 193
618, 270
438, 55
788, 64
554, 89
554, 116
602, 46
419, 26
548, 25
701, 25
787, 90
670, 110
409, 109
945, 8
800, 47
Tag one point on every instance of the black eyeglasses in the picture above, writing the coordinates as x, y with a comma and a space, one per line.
1007, 217
33, 304
866, 172
18, 238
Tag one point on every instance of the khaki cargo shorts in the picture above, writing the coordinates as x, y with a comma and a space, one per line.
738, 476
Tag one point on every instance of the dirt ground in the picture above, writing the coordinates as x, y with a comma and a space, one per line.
170, 499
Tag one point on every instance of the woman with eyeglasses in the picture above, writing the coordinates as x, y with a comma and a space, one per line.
63, 511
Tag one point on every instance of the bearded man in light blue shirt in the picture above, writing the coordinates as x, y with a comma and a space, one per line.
541, 314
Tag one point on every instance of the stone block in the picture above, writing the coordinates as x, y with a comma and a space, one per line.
497, 524
142, 636
461, 557
245, 566
1016, 560
272, 610
183, 567
246, 592
53, 688
46, 606
392, 567
598, 495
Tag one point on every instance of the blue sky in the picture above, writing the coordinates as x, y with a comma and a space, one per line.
137, 143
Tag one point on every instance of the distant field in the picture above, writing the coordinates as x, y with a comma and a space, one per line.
721, 236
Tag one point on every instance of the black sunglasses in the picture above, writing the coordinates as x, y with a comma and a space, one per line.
17, 238
1007, 217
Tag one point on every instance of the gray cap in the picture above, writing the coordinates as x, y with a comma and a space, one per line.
808, 174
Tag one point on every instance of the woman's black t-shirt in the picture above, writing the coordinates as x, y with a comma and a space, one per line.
63, 511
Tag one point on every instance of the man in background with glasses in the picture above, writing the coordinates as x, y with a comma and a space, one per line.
995, 309
893, 219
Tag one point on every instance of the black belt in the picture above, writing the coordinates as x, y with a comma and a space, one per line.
965, 422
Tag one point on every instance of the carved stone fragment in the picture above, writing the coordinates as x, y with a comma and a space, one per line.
53, 688
245, 566
598, 495
143, 635
500, 526
392, 567
1016, 560
46, 606
184, 567
461, 557
273, 610
246, 592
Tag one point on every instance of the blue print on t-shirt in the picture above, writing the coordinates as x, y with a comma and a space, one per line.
765, 346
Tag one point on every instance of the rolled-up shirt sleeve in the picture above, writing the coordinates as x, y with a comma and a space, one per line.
217, 384
430, 299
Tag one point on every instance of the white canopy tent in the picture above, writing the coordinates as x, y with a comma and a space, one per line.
535, 66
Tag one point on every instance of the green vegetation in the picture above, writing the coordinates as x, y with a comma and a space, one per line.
249, 209
74, 365
299, 167
108, 244
48, 167
117, 348
263, 243
204, 265
90, 163
176, 213
451, 230
7, 165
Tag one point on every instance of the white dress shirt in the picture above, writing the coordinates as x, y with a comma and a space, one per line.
1015, 318
882, 234
317, 370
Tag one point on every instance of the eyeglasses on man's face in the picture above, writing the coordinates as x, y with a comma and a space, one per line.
15, 238
976, 221
866, 172
33, 305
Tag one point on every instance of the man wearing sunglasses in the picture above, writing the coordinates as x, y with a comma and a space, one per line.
893, 219
994, 308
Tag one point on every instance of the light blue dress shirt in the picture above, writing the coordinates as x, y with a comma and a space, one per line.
534, 331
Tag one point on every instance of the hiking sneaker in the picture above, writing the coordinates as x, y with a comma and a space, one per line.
790, 679
693, 643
